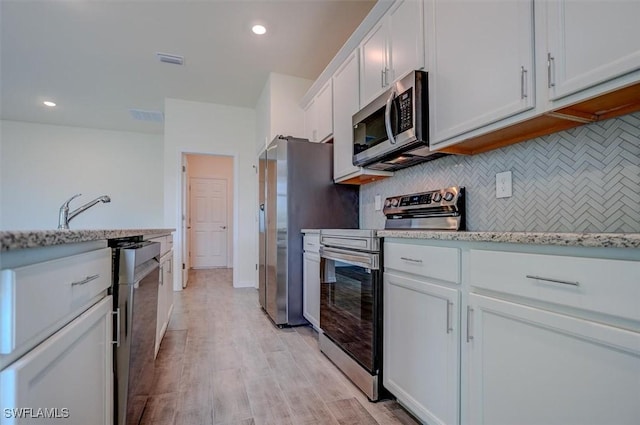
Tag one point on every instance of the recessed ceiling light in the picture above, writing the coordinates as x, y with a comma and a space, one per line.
258, 29
49, 103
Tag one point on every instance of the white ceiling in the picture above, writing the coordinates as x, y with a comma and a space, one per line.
97, 59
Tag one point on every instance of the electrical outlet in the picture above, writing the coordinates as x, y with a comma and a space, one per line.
377, 205
504, 187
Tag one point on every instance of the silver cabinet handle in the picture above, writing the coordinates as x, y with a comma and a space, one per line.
550, 61
546, 279
85, 280
117, 315
449, 324
469, 313
523, 80
382, 78
386, 76
411, 260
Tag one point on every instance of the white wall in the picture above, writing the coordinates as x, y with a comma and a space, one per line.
216, 167
196, 127
43, 165
278, 109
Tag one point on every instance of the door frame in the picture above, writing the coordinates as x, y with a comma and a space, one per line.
182, 197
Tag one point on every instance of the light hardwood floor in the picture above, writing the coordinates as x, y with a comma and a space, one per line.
222, 361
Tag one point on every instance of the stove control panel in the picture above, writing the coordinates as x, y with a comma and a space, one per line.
442, 209
431, 199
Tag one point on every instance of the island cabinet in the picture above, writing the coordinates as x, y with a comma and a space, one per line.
393, 47
550, 339
421, 332
56, 353
165, 288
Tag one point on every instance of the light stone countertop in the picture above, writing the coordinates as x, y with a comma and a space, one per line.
23, 239
310, 231
593, 240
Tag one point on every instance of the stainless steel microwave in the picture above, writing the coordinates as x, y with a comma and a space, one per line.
392, 132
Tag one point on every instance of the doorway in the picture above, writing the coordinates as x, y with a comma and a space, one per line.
208, 212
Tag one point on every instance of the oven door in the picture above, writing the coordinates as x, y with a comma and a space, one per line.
350, 302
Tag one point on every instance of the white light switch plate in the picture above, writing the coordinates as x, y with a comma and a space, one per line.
503, 185
377, 203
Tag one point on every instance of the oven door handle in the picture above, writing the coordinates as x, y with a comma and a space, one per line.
362, 259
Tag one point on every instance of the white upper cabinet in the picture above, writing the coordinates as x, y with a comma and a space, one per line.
590, 42
318, 115
481, 63
392, 48
345, 104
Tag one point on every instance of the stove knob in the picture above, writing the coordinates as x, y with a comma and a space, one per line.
394, 202
437, 197
387, 203
448, 196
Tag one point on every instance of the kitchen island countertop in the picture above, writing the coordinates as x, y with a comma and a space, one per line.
23, 239
594, 240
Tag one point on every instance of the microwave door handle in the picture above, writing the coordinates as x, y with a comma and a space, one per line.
387, 117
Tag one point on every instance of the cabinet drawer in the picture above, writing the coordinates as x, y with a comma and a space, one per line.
312, 242
600, 285
428, 261
38, 299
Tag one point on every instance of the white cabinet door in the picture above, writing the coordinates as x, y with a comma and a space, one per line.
324, 113
318, 115
70, 373
421, 347
481, 63
392, 48
310, 121
406, 39
531, 366
311, 289
345, 104
590, 42
373, 63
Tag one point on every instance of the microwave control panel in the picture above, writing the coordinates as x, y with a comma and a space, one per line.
405, 110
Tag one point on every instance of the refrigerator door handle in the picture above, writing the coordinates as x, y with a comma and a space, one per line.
261, 226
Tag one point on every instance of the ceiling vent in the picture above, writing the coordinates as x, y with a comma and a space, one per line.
141, 115
167, 58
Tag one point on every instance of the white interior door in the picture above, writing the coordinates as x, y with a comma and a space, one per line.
208, 220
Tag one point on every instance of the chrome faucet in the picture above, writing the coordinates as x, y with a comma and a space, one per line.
64, 217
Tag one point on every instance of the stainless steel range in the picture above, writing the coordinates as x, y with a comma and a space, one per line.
351, 282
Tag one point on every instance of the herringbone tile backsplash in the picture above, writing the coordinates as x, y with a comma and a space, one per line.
582, 180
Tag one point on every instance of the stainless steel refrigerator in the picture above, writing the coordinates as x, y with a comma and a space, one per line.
296, 191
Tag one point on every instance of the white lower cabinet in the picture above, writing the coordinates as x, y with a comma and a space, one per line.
165, 297
529, 365
421, 329
311, 280
66, 379
421, 347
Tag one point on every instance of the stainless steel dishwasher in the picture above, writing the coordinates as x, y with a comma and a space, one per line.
136, 276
